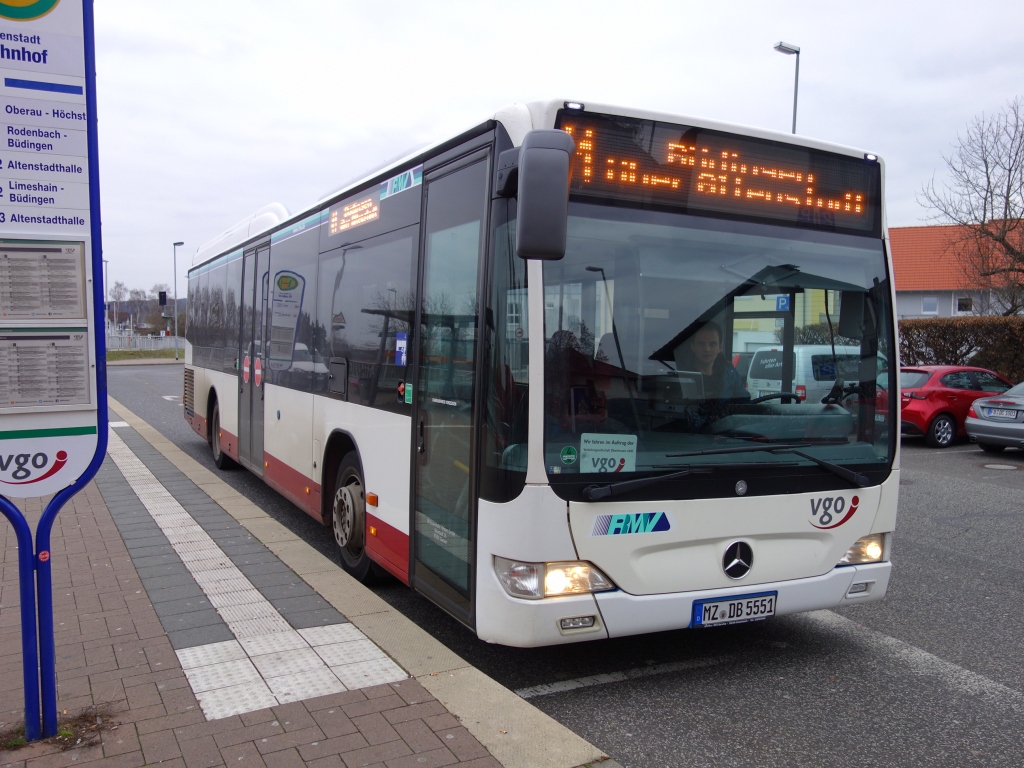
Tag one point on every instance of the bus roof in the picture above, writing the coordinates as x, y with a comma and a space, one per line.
517, 119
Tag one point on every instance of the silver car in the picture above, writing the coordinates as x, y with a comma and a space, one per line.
997, 422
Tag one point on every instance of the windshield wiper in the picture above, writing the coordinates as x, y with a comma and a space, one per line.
739, 449
595, 492
854, 477
847, 474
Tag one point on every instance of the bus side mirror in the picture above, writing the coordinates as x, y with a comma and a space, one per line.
543, 209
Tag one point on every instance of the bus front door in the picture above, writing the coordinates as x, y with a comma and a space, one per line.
444, 477
252, 353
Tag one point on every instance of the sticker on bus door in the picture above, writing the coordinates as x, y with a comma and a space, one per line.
607, 453
286, 312
401, 345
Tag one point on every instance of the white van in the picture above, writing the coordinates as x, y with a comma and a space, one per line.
814, 370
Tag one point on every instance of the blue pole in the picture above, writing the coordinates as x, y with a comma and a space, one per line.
27, 584
47, 653
44, 575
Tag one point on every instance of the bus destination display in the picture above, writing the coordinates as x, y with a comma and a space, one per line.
705, 170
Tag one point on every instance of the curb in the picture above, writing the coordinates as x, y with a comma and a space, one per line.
515, 732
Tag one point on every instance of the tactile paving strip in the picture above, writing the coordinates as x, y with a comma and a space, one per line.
269, 662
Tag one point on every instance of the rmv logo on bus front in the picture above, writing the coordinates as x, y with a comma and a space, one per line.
636, 522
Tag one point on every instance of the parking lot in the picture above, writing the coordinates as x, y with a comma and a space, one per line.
933, 675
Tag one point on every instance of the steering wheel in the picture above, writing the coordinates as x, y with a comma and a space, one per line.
775, 396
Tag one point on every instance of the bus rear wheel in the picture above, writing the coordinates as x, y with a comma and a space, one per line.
348, 520
220, 459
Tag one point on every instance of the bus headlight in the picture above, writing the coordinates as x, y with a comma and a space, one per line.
534, 581
866, 550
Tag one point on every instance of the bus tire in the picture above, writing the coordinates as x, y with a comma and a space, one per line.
348, 520
220, 459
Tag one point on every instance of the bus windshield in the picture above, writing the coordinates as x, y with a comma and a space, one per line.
667, 335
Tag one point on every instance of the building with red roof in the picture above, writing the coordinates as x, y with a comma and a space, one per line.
930, 277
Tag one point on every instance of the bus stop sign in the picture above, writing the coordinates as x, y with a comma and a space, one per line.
53, 398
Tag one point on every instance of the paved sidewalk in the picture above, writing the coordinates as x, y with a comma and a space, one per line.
218, 638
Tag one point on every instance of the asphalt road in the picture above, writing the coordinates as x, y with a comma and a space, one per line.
933, 675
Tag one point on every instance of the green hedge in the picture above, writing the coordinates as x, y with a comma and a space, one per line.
996, 343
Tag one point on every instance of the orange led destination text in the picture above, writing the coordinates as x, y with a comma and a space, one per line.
717, 173
353, 214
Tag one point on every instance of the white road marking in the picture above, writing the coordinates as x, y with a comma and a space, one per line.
172, 398
921, 662
617, 677
879, 645
268, 662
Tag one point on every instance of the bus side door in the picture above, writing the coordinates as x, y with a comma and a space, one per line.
444, 443
252, 353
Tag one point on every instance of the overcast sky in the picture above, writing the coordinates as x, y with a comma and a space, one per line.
210, 109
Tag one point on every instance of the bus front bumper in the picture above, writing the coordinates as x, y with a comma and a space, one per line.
625, 614
511, 621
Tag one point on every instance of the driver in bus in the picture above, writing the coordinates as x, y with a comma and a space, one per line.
703, 354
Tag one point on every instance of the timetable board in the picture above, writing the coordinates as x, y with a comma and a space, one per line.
42, 279
42, 367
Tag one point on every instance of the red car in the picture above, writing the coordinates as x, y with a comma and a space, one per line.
935, 399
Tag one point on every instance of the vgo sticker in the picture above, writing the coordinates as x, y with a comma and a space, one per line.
607, 453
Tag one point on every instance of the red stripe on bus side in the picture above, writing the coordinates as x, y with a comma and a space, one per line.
229, 443
389, 548
198, 423
293, 485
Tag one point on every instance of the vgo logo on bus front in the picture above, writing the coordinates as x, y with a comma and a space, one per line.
26, 10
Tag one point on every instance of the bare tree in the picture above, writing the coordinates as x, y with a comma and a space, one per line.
118, 291
137, 302
984, 197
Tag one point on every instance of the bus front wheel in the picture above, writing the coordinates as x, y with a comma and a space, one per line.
348, 519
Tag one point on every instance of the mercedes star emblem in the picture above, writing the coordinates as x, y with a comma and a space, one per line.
738, 560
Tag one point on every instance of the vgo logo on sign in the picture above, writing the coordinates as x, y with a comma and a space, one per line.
607, 453
25, 465
39, 464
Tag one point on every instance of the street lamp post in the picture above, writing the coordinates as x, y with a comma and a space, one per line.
789, 50
176, 299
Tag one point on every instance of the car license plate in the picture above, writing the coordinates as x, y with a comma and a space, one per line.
763, 392
880, 417
1001, 413
734, 610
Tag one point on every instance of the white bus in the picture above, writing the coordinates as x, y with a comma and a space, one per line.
500, 370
